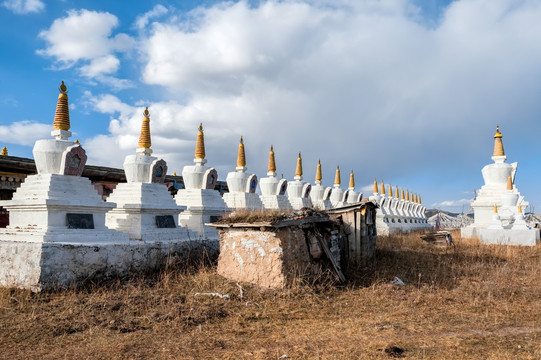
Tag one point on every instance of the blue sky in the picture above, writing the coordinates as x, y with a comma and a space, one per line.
408, 92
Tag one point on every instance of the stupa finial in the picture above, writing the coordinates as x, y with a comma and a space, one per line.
298, 169
318, 172
241, 157
401, 194
62, 115
200, 144
144, 137
4, 151
375, 186
272, 161
382, 188
337, 180
509, 183
351, 180
390, 191
498, 144
396, 193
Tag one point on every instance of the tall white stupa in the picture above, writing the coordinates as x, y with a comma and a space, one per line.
145, 209
353, 196
203, 204
495, 176
242, 185
298, 191
320, 195
273, 190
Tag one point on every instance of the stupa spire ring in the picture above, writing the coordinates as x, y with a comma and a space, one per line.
62, 115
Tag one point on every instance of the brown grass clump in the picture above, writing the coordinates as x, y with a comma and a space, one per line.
253, 216
469, 301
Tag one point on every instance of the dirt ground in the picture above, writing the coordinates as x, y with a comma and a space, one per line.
470, 301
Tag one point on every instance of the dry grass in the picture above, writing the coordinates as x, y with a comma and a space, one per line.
252, 216
466, 302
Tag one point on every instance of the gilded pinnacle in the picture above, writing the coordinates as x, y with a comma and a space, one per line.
298, 170
241, 157
144, 137
382, 188
351, 180
498, 144
62, 115
401, 194
375, 186
200, 144
509, 183
390, 191
396, 193
272, 161
318, 171
4, 151
337, 180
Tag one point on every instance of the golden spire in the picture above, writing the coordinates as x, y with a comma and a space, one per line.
200, 144
407, 195
509, 183
272, 162
416, 199
351, 180
144, 137
298, 169
390, 191
241, 157
520, 209
4, 151
498, 144
495, 209
420, 202
411, 197
318, 172
402, 194
375, 186
382, 188
396, 192
77, 141
337, 180
62, 115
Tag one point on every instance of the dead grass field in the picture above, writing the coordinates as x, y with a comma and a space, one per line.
466, 302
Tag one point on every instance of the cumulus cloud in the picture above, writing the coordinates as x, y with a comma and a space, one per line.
23, 7
156, 11
369, 85
86, 36
24, 132
452, 203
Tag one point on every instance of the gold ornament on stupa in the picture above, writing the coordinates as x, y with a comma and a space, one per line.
62, 115
241, 157
351, 180
382, 188
200, 144
495, 209
337, 180
298, 169
498, 144
318, 172
144, 137
272, 161
4, 151
396, 192
390, 191
401, 194
375, 186
509, 183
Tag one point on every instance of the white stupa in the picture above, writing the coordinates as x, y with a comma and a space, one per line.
320, 195
203, 204
338, 195
353, 197
272, 189
498, 191
242, 186
145, 208
57, 204
298, 191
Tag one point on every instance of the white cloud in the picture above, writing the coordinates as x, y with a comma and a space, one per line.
156, 11
451, 203
86, 36
24, 132
24, 6
367, 84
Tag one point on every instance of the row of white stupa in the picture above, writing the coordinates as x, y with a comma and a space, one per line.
57, 199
